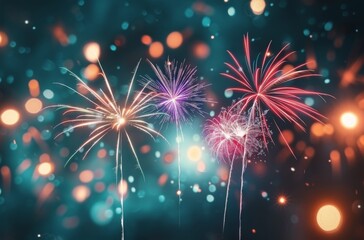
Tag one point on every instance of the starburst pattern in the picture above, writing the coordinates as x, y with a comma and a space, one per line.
230, 136
106, 116
264, 88
226, 133
180, 95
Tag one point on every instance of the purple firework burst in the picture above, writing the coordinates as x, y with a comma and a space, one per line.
180, 93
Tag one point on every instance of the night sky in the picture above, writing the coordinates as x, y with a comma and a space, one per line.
42, 198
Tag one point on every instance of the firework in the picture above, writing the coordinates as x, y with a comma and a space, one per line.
106, 116
225, 135
180, 95
264, 88
263, 85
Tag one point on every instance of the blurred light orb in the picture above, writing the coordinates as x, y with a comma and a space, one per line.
34, 105
194, 153
201, 50
10, 116
3, 39
174, 40
34, 88
86, 176
349, 120
45, 168
196, 188
358, 207
328, 218
201, 166
161, 198
91, 72
123, 188
282, 200
228, 93
92, 51
156, 49
101, 214
287, 136
146, 40
257, 6
81, 193
48, 94
210, 198
264, 194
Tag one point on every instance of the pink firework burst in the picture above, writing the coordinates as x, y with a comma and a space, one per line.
264, 87
226, 133
231, 137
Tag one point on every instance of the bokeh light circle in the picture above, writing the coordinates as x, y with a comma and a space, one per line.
156, 49
174, 40
257, 6
101, 214
3, 39
349, 120
328, 218
34, 105
45, 168
10, 116
81, 193
194, 153
92, 51
282, 200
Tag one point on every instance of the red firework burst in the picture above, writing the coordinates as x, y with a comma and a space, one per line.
264, 87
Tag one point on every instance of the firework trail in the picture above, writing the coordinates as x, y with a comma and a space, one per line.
106, 116
263, 85
225, 135
180, 95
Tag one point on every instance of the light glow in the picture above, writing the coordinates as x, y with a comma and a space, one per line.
10, 117
328, 218
349, 120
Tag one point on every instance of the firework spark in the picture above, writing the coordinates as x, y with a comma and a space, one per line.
263, 85
106, 116
225, 135
180, 95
